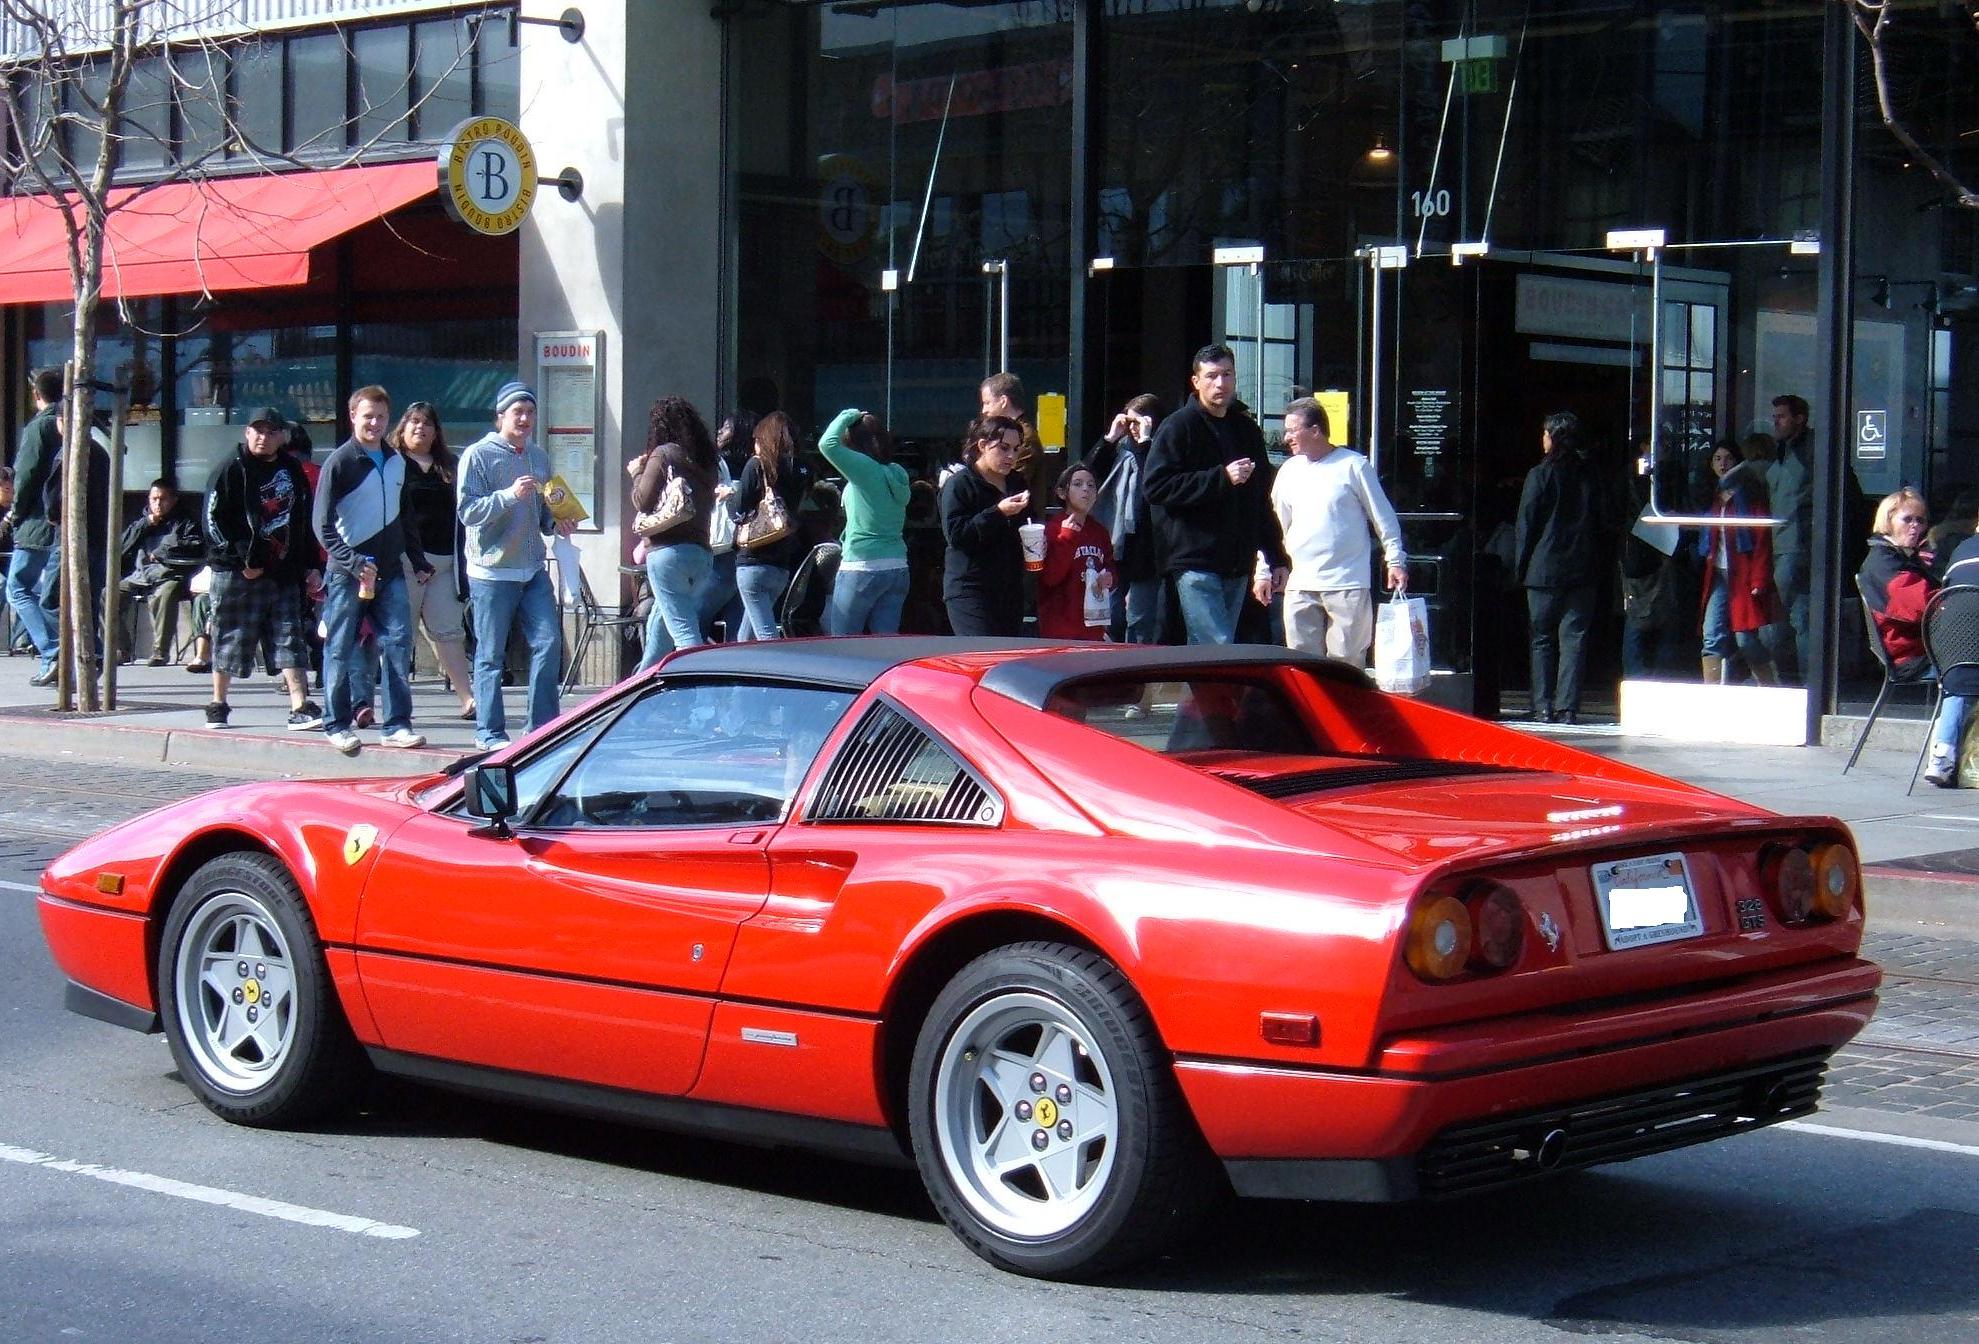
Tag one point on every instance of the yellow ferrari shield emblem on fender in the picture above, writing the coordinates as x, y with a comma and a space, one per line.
359, 841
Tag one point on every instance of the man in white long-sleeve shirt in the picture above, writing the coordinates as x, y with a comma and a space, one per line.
1327, 499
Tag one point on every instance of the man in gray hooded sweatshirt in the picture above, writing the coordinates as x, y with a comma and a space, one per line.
506, 517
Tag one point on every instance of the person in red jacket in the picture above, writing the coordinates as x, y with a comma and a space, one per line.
1739, 600
1078, 564
1896, 576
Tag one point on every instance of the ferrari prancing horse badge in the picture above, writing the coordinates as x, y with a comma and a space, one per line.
359, 841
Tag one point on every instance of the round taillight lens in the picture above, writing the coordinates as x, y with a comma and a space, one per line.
1837, 880
1440, 939
1790, 873
1497, 927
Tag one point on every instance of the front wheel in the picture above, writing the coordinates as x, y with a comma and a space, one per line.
1048, 1129
248, 1007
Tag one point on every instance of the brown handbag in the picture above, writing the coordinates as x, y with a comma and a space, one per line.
674, 507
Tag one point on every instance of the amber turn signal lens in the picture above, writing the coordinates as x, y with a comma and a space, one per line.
1439, 939
1837, 880
1497, 927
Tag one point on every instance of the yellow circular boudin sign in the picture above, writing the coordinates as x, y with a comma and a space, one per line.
487, 175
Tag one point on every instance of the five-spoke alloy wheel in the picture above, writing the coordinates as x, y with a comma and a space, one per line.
1046, 1124
248, 1007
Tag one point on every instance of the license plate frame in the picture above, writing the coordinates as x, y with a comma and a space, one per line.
1646, 900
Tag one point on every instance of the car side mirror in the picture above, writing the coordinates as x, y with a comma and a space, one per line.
491, 795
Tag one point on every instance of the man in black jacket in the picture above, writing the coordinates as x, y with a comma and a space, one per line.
32, 572
1209, 483
1561, 533
259, 543
157, 555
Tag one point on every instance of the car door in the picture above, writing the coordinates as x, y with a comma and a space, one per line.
591, 944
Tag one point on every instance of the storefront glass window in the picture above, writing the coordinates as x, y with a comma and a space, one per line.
128, 353
925, 139
258, 95
498, 66
384, 86
445, 68
224, 375
317, 108
456, 365
200, 80
148, 117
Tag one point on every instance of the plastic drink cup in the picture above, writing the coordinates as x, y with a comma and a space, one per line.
1032, 535
367, 579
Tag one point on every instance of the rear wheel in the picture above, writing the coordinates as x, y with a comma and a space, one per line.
248, 1006
1047, 1126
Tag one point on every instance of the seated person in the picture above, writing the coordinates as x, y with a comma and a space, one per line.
1961, 683
158, 554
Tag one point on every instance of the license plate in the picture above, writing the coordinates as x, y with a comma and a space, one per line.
1646, 900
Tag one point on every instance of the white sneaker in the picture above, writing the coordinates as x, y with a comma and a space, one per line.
345, 741
1943, 769
401, 737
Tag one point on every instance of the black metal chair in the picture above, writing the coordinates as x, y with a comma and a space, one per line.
1917, 673
593, 620
802, 610
1951, 642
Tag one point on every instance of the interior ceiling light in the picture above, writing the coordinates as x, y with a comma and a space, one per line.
1379, 151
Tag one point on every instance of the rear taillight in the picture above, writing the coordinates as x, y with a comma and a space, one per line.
1837, 880
1814, 884
1497, 927
1480, 933
1439, 939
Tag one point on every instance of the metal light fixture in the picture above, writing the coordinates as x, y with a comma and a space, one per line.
1378, 153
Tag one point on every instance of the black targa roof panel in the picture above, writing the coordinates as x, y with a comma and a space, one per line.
1032, 681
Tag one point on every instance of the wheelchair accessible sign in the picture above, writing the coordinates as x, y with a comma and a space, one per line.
1872, 436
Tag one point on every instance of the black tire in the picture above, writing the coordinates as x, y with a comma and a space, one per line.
254, 1022
1120, 1170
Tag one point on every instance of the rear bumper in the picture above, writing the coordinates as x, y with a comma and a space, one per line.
1465, 1159
1395, 1134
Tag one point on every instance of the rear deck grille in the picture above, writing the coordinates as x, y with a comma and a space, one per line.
1376, 771
1634, 1124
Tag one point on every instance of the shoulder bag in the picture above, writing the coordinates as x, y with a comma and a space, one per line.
674, 507
770, 523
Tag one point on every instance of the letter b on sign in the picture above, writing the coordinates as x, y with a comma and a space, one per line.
494, 174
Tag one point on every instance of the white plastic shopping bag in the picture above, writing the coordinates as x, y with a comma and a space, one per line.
1401, 645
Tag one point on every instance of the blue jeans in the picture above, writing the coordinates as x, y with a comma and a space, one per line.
1720, 641
391, 618
1950, 723
867, 601
31, 578
1210, 603
1791, 580
720, 600
497, 604
762, 588
679, 575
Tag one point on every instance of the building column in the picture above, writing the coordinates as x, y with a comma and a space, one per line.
1835, 337
634, 107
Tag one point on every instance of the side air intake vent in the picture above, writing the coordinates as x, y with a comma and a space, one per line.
892, 769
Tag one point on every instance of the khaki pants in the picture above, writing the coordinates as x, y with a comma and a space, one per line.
1339, 623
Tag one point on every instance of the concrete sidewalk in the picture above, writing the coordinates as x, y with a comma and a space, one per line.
1922, 850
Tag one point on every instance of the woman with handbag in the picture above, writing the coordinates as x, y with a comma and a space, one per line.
765, 503
673, 492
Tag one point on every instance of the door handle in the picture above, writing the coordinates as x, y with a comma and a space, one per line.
747, 837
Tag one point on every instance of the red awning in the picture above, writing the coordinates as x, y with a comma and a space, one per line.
198, 237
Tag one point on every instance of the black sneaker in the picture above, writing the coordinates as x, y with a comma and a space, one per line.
216, 714
307, 719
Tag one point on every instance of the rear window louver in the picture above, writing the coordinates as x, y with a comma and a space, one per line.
892, 769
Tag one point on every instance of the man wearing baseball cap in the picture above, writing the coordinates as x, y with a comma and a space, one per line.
505, 518
259, 546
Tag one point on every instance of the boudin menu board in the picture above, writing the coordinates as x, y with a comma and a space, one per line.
1427, 419
567, 366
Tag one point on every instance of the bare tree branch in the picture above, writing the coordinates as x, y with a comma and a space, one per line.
1872, 21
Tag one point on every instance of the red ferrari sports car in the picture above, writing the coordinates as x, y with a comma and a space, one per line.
1089, 934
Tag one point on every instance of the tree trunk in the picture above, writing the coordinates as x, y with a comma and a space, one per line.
78, 598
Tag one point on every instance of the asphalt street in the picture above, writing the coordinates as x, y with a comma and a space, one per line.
131, 1213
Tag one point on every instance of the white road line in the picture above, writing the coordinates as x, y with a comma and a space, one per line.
28, 887
1895, 1140
206, 1194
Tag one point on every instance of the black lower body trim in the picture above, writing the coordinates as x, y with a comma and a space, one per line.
767, 1129
88, 1002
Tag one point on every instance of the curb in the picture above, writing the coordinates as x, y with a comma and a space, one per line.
234, 752
1941, 905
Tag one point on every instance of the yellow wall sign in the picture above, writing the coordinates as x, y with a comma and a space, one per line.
487, 175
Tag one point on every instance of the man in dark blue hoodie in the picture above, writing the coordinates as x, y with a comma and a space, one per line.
358, 499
